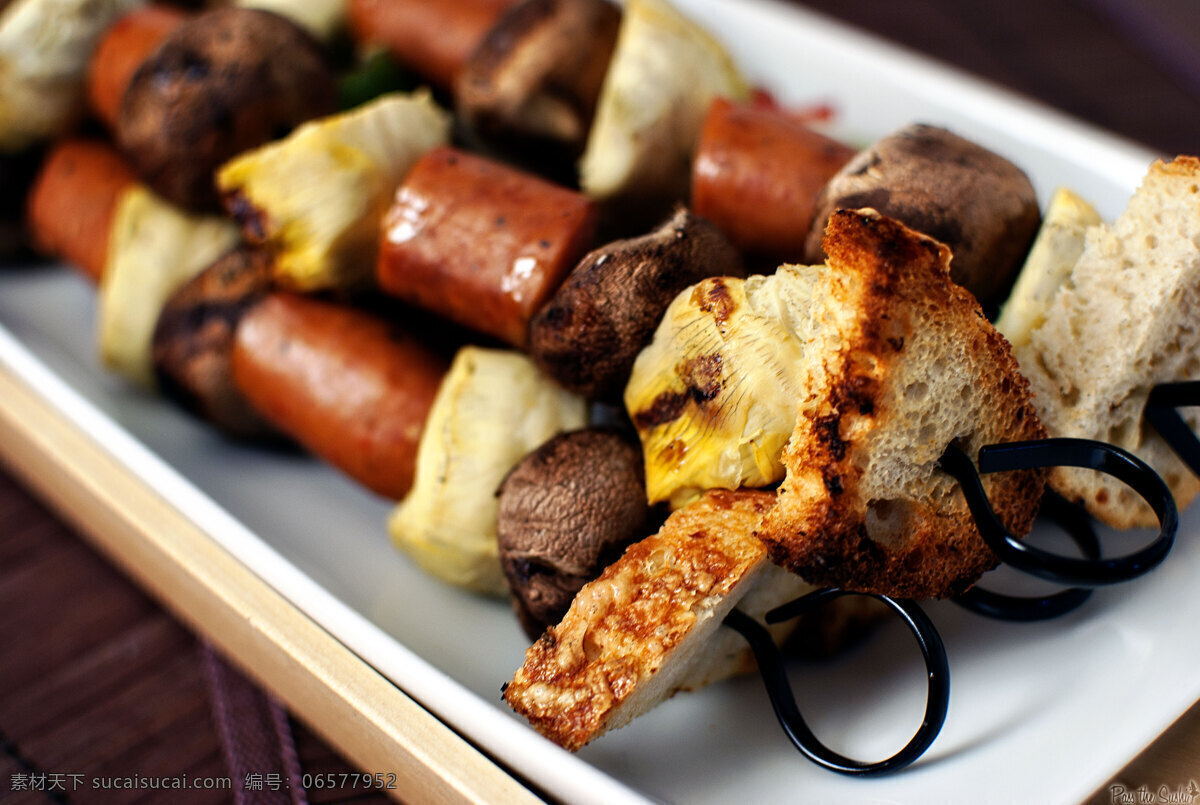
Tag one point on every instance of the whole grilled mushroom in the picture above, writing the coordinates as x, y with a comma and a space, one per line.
566, 512
590, 332
975, 201
223, 82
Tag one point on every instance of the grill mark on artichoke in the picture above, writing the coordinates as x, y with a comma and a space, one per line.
714, 299
732, 402
249, 218
702, 376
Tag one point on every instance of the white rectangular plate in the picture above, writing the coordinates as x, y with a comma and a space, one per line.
1043, 712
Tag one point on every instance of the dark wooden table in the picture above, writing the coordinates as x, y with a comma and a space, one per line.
1130, 66
96, 680
99, 683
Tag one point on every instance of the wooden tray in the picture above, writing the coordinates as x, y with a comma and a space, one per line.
316, 676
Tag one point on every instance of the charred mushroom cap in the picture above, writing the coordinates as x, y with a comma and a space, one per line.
193, 342
566, 511
589, 334
538, 71
976, 202
223, 82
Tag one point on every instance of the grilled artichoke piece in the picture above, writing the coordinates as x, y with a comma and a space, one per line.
493, 408
45, 48
1055, 251
715, 394
316, 197
664, 73
153, 249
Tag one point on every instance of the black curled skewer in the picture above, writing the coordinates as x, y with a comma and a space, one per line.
1160, 413
1074, 520
783, 700
1065, 452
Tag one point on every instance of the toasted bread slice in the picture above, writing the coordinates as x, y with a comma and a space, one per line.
650, 626
905, 364
1123, 320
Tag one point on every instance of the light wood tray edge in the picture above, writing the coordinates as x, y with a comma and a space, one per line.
375, 724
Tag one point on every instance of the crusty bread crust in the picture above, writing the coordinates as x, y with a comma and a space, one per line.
649, 626
911, 365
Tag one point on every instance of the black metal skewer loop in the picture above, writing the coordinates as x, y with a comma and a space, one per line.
1073, 519
1161, 414
774, 675
1065, 452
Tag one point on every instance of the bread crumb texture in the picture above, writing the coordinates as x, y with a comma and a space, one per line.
1123, 321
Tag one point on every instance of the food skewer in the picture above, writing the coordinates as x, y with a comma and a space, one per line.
252, 218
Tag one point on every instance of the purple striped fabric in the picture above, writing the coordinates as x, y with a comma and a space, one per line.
255, 736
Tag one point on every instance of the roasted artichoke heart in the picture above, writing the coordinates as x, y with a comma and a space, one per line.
714, 396
492, 408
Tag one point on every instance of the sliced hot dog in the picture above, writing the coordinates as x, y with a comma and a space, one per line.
481, 243
70, 208
756, 175
432, 37
345, 384
122, 50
